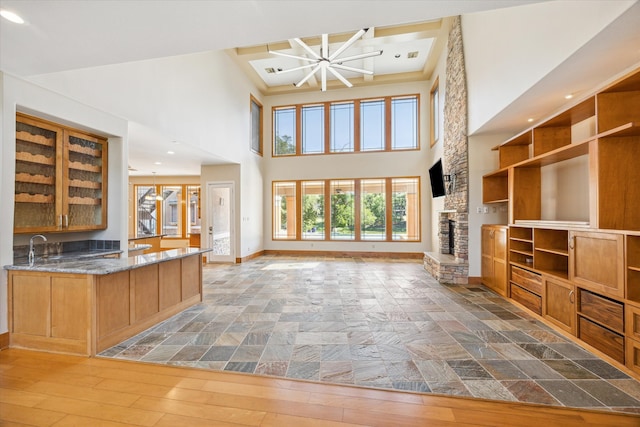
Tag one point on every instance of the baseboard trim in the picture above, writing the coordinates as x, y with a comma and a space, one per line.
475, 280
4, 340
249, 257
346, 254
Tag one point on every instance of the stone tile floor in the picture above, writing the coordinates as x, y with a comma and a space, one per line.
382, 324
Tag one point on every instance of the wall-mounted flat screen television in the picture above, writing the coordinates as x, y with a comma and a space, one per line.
437, 179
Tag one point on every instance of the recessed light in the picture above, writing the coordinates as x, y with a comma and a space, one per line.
157, 163
529, 120
10, 16
568, 96
171, 152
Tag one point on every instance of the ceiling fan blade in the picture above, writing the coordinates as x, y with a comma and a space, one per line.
323, 74
325, 46
308, 76
302, 67
339, 76
347, 44
286, 55
360, 56
307, 48
355, 70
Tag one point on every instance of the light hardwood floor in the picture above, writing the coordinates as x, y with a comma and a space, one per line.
57, 390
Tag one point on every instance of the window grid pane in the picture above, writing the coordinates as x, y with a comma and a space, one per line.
313, 129
342, 210
171, 204
342, 127
284, 131
404, 123
372, 125
373, 209
405, 209
284, 210
256, 127
146, 213
313, 210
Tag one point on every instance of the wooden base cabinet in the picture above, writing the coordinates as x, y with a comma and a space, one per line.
559, 303
85, 314
597, 262
494, 258
50, 312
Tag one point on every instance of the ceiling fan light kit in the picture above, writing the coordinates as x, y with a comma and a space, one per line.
326, 61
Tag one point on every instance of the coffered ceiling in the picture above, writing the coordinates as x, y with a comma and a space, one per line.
409, 52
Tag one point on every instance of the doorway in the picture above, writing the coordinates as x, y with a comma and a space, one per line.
220, 213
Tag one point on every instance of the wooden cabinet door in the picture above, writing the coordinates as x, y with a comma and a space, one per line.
487, 255
70, 317
596, 262
500, 260
30, 300
559, 303
85, 182
38, 188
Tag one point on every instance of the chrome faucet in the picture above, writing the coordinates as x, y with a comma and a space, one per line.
32, 253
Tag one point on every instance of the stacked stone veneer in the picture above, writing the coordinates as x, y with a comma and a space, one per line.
454, 268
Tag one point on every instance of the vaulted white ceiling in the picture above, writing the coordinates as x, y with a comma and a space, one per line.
63, 35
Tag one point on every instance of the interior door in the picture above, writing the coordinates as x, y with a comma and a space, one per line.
220, 224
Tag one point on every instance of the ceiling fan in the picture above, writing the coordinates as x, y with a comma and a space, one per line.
326, 62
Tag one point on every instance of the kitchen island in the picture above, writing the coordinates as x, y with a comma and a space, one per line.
84, 306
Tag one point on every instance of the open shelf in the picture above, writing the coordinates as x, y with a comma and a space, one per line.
36, 139
35, 158
35, 179
33, 198
85, 167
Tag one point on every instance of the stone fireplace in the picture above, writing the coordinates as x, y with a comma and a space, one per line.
450, 262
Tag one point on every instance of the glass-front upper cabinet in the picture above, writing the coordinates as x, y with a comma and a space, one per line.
37, 205
61, 177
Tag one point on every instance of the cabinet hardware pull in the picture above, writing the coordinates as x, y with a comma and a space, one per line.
60, 221
66, 221
571, 242
572, 298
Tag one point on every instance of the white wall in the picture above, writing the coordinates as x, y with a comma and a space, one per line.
20, 95
481, 162
509, 50
201, 100
351, 165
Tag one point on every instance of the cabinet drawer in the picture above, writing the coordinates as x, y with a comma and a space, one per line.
633, 355
604, 311
532, 301
632, 322
526, 279
606, 341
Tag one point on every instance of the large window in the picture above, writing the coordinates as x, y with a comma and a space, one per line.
313, 210
284, 210
256, 125
164, 209
284, 131
313, 129
405, 209
343, 215
364, 125
373, 219
434, 117
342, 127
404, 123
381, 209
372, 114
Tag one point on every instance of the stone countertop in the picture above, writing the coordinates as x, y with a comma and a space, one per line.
148, 236
101, 266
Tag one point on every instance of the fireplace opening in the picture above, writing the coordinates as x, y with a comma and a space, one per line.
452, 239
